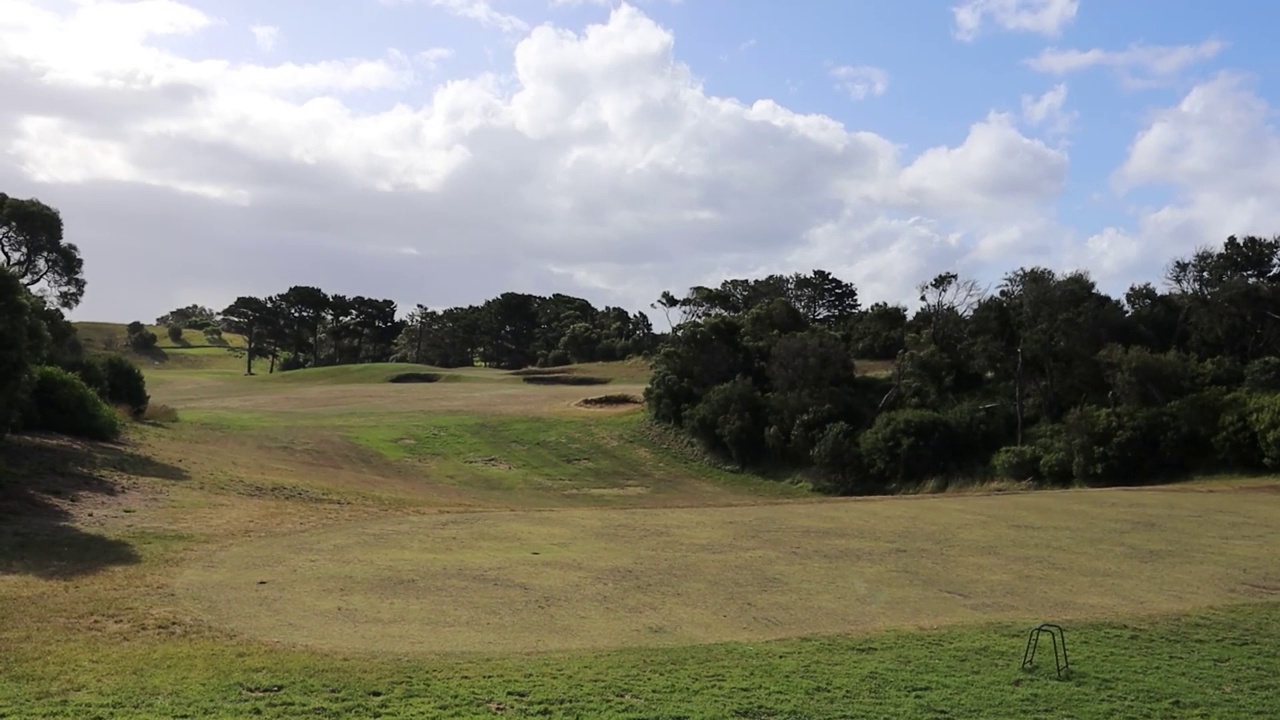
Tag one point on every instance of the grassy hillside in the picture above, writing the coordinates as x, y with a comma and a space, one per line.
192, 352
327, 543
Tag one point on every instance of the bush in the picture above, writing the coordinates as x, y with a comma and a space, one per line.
1123, 446
907, 446
116, 380
1056, 459
1017, 462
1264, 420
16, 351
213, 335
125, 383
837, 463
175, 333
1222, 371
1263, 375
60, 402
981, 430
730, 419
143, 340
1235, 441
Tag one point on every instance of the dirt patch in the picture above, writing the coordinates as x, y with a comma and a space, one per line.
414, 377
616, 400
564, 379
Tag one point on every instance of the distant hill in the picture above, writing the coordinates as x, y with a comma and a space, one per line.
192, 352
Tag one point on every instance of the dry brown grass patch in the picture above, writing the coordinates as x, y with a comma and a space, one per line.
573, 579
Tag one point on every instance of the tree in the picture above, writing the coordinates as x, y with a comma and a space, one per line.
508, 330
16, 328
303, 310
1230, 298
33, 250
140, 338
248, 316
191, 317
175, 333
945, 303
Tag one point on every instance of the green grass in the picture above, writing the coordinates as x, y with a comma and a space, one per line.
167, 575
361, 374
1209, 665
516, 456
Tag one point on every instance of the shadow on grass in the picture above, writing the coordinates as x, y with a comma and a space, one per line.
41, 477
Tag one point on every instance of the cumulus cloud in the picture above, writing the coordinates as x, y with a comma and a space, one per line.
432, 58
1044, 17
1138, 64
1217, 151
265, 36
600, 166
1048, 110
860, 81
479, 10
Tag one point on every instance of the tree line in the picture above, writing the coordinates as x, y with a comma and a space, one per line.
307, 327
1042, 378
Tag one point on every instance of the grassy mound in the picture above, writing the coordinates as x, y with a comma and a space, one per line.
367, 373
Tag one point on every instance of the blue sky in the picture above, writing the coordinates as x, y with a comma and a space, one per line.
1193, 78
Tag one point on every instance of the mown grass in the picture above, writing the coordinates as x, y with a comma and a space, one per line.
95, 620
361, 374
1211, 665
519, 457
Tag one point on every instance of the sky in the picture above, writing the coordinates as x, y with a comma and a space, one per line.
444, 151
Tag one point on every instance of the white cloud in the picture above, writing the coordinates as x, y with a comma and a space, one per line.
265, 36
601, 166
860, 81
1217, 151
1044, 17
997, 176
1048, 111
431, 58
1138, 64
479, 10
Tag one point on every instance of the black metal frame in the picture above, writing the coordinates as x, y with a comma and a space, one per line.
1062, 664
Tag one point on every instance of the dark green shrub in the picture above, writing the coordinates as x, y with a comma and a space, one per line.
837, 463
730, 419
1235, 442
1016, 462
60, 402
213, 335
1222, 371
143, 340
981, 430
907, 446
1263, 375
1264, 419
17, 331
175, 333
1056, 458
116, 380
1120, 446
